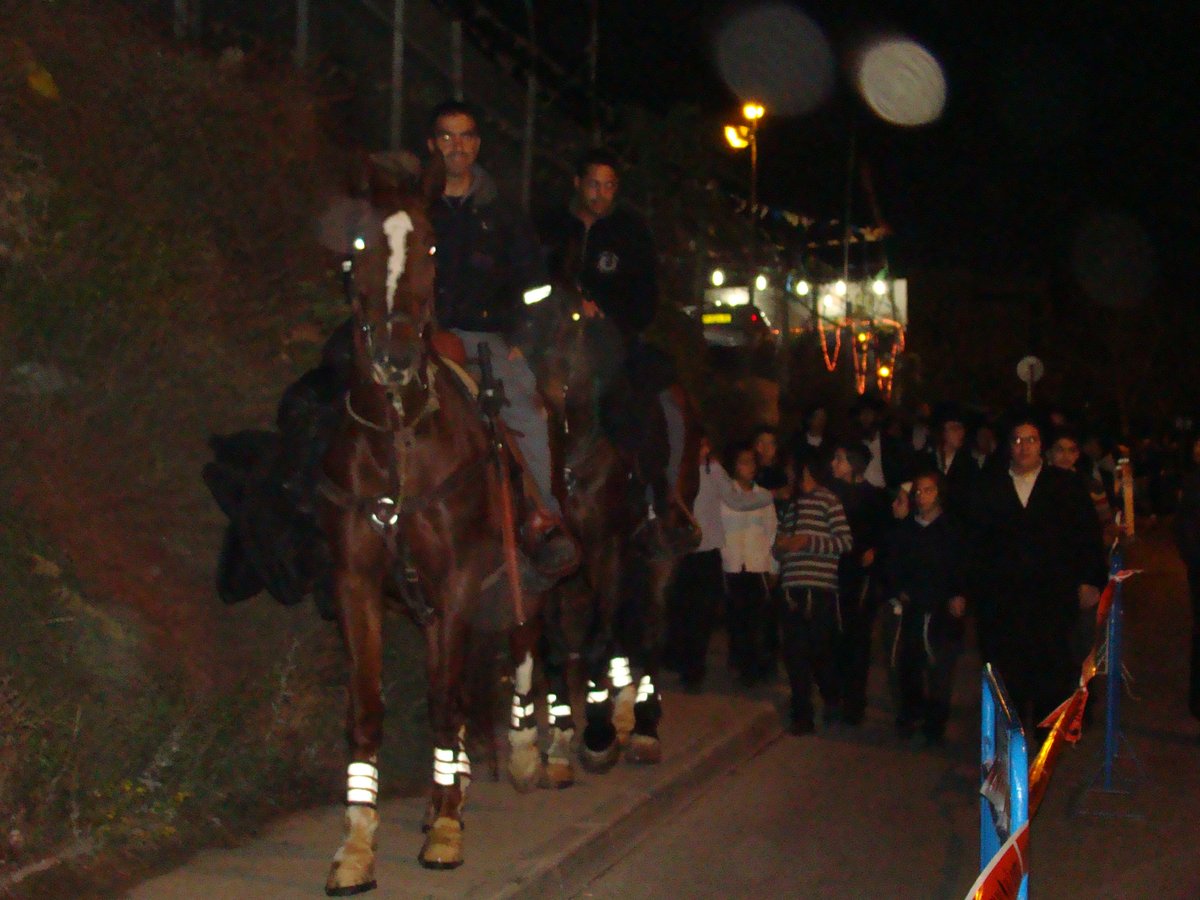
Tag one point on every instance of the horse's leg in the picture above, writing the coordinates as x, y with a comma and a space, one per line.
525, 759
601, 747
445, 644
360, 617
559, 772
644, 744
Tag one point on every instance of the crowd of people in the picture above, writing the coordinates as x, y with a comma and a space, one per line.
1006, 521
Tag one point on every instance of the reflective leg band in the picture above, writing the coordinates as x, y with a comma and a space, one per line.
445, 766
645, 689
464, 764
522, 712
362, 784
558, 711
619, 672
596, 695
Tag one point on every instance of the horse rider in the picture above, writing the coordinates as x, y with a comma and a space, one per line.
487, 263
608, 250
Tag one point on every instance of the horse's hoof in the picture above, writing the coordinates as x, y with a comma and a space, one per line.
351, 890
600, 761
644, 749
558, 774
353, 869
443, 845
525, 768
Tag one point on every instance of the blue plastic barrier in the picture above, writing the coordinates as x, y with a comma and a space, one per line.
1000, 719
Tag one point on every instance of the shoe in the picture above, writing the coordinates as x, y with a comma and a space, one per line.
831, 715
801, 727
552, 549
853, 717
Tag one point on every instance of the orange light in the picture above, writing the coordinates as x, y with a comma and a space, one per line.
863, 337
885, 372
753, 111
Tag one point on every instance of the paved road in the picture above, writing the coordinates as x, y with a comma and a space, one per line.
857, 813
737, 811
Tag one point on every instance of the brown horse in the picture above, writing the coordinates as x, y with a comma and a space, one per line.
413, 502
610, 613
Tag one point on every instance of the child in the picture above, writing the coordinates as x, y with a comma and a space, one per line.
813, 534
698, 590
924, 571
748, 566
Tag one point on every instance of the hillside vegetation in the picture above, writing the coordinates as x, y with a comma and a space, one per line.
159, 281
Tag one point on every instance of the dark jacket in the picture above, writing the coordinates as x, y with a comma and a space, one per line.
870, 516
961, 479
487, 257
926, 563
1028, 562
613, 263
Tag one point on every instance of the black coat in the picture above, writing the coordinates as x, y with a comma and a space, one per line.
927, 563
1028, 562
613, 262
961, 479
487, 257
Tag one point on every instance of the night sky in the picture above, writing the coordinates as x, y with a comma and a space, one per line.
1064, 122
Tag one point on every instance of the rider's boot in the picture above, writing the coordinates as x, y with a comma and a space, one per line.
551, 548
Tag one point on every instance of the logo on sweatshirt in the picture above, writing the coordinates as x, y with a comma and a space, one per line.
607, 262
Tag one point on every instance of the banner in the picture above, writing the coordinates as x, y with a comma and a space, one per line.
1001, 878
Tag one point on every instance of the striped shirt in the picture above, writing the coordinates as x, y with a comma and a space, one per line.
819, 515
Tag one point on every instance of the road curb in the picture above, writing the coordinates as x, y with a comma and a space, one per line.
564, 865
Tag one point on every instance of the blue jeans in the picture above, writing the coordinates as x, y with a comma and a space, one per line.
524, 413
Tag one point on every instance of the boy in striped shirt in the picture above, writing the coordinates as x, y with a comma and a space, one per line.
813, 534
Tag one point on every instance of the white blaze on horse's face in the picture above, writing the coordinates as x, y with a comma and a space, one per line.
397, 227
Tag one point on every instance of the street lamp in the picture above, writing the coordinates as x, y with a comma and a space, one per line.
739, 137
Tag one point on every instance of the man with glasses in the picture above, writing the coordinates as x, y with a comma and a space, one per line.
1038, 560
489, 267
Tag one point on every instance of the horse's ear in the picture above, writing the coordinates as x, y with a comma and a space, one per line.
433, 178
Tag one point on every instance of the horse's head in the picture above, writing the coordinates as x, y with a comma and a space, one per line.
394, 273
576, 357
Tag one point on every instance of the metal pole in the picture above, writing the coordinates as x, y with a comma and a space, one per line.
397, 88
988, 839
301, 53
753, 208
1112, 701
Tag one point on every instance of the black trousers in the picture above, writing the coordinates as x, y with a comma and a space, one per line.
808, 629
857, 604
929, 647
693, 604
747, 612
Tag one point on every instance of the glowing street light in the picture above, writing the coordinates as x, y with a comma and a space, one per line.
802, 288
717, 278
840, 288
739, 137
879, 287
760, 283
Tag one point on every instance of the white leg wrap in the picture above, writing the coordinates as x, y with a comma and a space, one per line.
445, 766
523, 683
619, 673
645, 690
596, 694
362, 784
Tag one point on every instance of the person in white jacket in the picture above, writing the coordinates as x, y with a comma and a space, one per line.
698, 590
749, 569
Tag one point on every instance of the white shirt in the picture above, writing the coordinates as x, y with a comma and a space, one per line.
717, 489
874, 473
1024, 484
944, 461
749, 535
